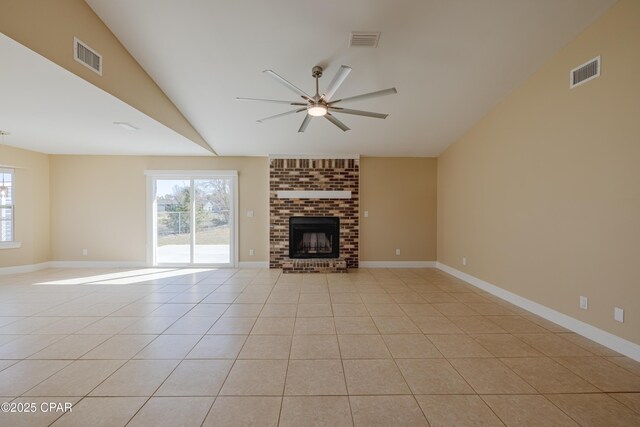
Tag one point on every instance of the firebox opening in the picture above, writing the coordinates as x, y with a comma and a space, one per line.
314, 237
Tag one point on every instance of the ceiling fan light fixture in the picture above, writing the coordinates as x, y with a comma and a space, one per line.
319, 105
317, 110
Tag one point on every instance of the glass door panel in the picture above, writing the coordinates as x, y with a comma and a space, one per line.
173, 213
213, 221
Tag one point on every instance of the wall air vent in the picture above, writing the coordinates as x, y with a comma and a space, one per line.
87, 56
364, 39
585, 72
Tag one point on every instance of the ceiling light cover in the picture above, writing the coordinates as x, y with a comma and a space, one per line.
317, 110
125, 125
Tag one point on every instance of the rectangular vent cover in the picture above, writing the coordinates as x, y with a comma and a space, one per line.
585, 72
87, 56
364, 39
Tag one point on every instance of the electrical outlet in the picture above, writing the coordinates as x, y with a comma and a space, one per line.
584, 302
85, 252
366, 214
618, 314
397, 252
252, 252
249, 214
464, 260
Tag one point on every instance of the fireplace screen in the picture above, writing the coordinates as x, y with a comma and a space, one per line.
314, 237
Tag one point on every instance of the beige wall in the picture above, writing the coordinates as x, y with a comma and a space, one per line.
48, 28
400, 196
543, 195
99, 203
31, 206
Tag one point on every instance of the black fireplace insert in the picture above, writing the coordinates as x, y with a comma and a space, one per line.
314, 237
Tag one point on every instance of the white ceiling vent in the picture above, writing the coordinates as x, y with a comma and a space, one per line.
364, 39
585, 72
87, 56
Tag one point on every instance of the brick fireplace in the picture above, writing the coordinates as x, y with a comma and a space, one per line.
314, 188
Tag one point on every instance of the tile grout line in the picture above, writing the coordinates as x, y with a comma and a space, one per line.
385, 290
127, 361
400, 370
344, 372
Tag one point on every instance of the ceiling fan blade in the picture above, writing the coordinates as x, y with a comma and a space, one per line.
336, 122
282, 114
305, 123
358, 112
383, 92
341, 75
275, 101
286, 83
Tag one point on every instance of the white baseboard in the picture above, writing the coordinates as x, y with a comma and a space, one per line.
97, 264
253, 264
605, 338
20, 269
397, 264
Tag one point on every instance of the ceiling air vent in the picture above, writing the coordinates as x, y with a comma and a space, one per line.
87, 56
585, 72
364, 39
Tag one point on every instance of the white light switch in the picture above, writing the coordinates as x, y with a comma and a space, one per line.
249, 214
366, 214
618, 314
397, 251
252, 252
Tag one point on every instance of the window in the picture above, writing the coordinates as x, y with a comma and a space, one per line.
6, 206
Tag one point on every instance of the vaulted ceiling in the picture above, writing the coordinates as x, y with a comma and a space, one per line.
451, 61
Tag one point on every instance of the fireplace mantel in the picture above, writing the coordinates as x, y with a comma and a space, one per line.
297, 194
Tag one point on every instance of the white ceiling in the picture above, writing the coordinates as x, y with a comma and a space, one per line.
451, 61
48, 109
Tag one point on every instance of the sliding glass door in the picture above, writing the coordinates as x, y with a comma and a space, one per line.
193, 219
173, 218
212, 241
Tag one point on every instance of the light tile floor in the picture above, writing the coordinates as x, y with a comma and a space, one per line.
207, 347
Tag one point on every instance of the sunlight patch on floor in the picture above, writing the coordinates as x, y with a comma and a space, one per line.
128, 277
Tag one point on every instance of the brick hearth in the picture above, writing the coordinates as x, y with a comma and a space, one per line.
314, 265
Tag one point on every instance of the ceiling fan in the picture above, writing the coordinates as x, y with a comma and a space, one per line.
322, 105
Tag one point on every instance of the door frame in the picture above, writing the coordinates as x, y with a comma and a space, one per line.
151, 211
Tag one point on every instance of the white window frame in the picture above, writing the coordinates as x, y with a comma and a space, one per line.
152, 220
11, 244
